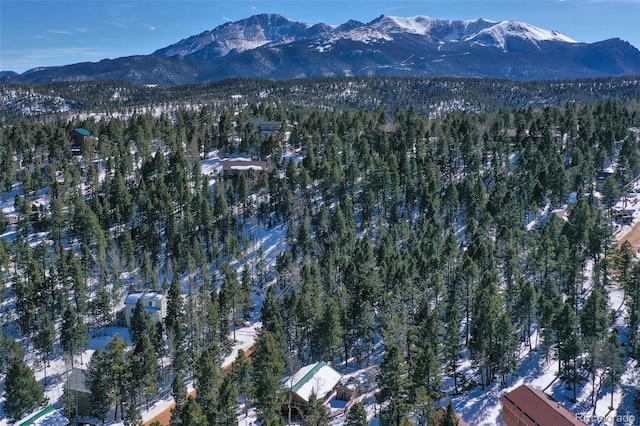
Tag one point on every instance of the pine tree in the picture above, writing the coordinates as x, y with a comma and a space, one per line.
272, 320
179, 393
241, 373
133, 416
328, 333
357, 416
192, 415
141, 323
227, 298
612, 361
119, 372
102, 307
98, 381
394, 387
424, 408
173, 320
568, 344
610, 191
245, 300
315, 412
452, 351
73, 333
507, 348
144, 366
547, 308
69, 403
525, 306
23, 393
593, 316
450, 418
425, 371
45, 339
632, 291
207, 382
484, 331
268, 369
227, 402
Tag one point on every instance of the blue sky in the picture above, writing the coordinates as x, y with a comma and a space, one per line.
55, 32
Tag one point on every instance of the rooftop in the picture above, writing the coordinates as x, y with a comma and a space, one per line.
318, 378
83, 132
535, 407
132, 298
244, 165
76, 381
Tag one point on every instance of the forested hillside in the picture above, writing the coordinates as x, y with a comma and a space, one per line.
422, 245
430, 97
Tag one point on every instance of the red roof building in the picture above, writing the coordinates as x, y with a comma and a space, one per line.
531, 407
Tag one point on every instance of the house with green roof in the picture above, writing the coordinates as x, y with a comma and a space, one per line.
319, 379
78, 137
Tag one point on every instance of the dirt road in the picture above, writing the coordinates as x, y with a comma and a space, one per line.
632, 236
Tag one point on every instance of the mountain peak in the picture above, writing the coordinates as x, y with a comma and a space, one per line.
414, 25
239, 36
499, 33
274, 46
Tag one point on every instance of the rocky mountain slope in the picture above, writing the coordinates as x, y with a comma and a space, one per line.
275, 47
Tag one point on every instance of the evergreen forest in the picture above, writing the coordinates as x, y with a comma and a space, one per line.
438, 248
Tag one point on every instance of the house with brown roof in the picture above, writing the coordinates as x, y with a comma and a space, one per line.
527, 406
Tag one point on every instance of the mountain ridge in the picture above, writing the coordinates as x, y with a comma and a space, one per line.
276, 47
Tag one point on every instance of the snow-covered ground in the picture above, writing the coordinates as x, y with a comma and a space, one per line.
476, 407
269, 241
482, 407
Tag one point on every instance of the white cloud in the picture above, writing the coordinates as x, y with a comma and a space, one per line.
152, 28
20, 60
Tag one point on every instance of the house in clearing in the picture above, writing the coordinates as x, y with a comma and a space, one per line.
252, 169
154, 303
317, 379
526, 406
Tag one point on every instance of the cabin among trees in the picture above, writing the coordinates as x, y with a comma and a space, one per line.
526, 406
78, 139
155, 304
79, 393
265, 127
318, 379
253, 170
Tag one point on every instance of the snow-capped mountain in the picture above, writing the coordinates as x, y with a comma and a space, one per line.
499, 34
276, 47
247, 34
